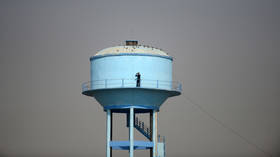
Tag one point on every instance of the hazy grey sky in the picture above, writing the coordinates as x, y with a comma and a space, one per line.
226, 56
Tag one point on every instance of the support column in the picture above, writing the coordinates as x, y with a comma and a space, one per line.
131, 136
111, 135
151, 131
155, 133
108, 148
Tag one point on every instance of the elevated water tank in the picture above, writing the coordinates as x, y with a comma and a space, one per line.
114, 84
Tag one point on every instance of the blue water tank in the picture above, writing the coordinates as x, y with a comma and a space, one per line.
113, 77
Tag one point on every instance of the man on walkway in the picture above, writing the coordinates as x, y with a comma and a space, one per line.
138, 79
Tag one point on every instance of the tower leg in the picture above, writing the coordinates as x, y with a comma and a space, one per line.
108, 148
155, 133
151, 131
131, 136
111, 135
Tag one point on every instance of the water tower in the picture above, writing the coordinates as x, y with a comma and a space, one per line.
132, 79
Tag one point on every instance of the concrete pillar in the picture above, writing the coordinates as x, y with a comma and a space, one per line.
151, 131
155, 133
108, 148
131, 136
111, 135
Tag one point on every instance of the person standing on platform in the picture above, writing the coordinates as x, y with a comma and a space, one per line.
138, 79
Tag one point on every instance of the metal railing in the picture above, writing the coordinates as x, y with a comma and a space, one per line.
126, 83
141, 127
146, 130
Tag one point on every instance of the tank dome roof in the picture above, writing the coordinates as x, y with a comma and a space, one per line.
131, 49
